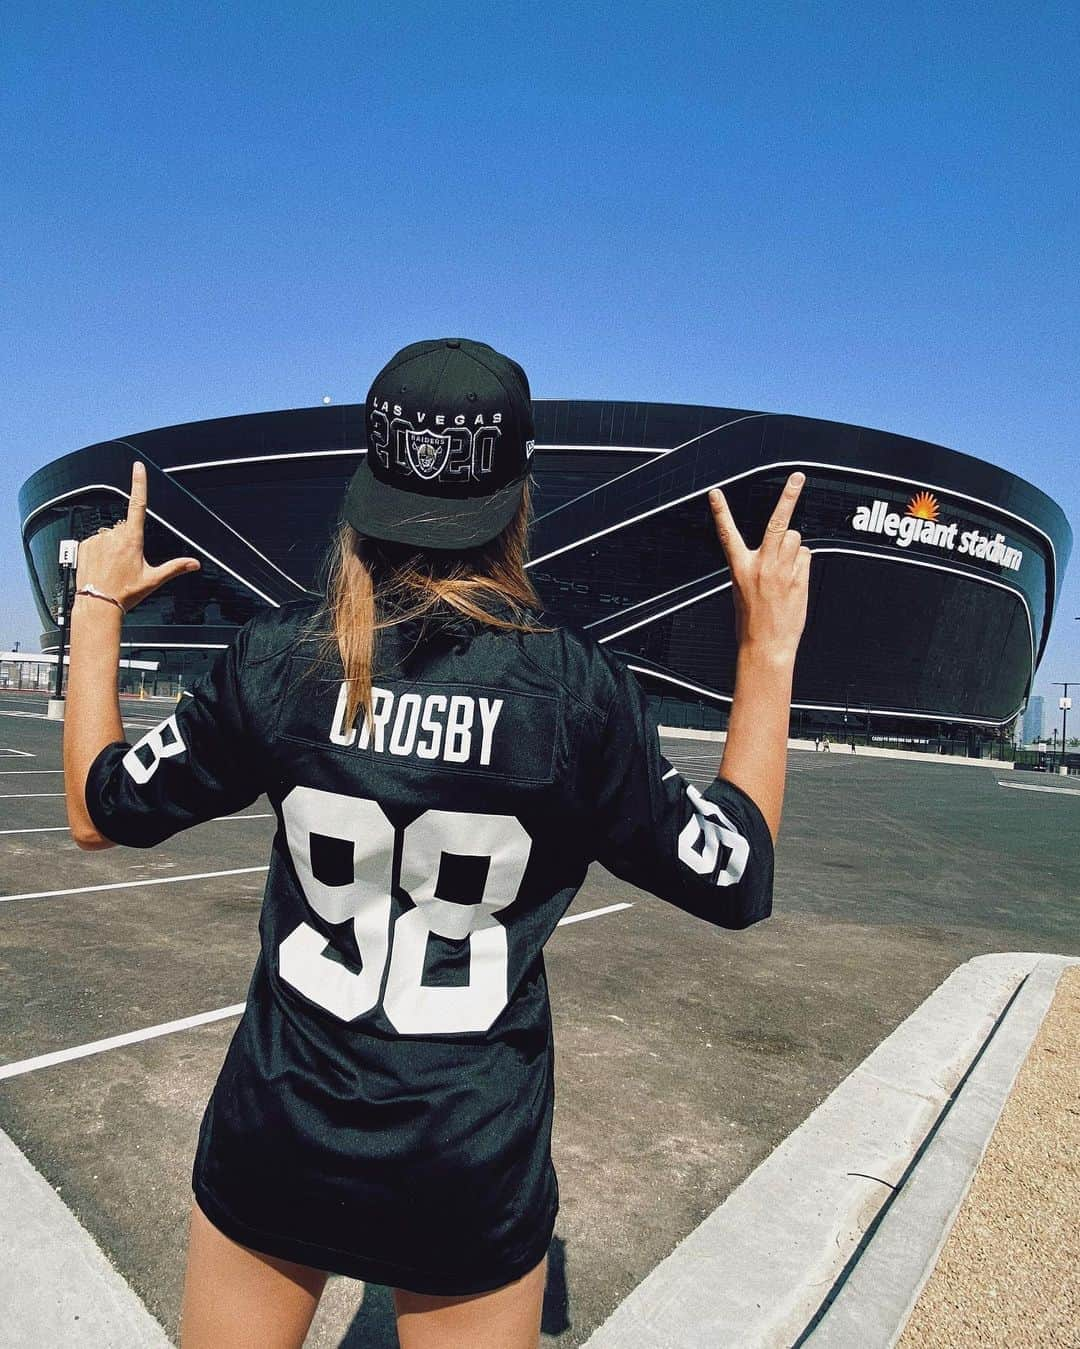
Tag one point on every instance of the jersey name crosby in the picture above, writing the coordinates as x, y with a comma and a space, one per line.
455, 728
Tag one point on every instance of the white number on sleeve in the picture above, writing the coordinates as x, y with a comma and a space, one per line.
702, 836
163, 741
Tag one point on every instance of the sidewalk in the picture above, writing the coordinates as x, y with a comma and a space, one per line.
1009, 1272
831, 1240
55, 1281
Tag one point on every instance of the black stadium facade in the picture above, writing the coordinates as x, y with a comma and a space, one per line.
933, 584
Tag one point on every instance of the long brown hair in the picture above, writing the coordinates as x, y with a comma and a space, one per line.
368, 586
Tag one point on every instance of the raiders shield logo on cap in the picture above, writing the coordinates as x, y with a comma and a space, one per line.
427, 452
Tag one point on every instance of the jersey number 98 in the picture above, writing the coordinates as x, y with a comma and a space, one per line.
458, 868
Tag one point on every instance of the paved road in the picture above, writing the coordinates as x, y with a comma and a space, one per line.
685, 1053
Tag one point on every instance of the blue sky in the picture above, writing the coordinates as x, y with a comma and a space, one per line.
866, 213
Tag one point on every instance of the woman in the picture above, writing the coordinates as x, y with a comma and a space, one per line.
444, 762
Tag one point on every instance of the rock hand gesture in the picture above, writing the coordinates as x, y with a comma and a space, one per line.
112, 560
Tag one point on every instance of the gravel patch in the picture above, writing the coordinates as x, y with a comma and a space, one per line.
1009, 1273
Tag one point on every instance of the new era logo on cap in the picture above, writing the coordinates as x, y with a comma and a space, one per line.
450, 439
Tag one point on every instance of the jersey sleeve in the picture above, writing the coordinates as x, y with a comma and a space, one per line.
708, 852
198, 763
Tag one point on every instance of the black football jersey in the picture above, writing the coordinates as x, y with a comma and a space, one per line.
385, 1106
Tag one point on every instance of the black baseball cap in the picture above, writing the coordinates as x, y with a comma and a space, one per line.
449, 446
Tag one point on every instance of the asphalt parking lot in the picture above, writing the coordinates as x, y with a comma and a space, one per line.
684, 1053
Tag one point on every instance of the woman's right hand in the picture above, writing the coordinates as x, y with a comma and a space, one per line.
770, 584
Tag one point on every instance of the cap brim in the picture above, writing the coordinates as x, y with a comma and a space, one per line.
380, 511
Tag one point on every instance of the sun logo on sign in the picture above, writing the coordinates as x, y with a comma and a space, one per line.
923, 505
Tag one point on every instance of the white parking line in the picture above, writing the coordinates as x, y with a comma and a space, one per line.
14, 772
41, 716
128, 885
54, 828
1033, 787
117, 1041
25, 796
592, 913
21, 1066
41, 829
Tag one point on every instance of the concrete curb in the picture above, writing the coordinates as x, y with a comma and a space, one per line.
756, 1272
872, 1306
56, 1282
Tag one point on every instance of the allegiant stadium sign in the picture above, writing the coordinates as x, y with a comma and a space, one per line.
920, 524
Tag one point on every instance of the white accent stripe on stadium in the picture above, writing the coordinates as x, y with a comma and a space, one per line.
861, 707
652, 599
796, 463
108, 487
21, 1066
281, 572
260, 459
749, 417
854, 708
615, 449
156, 646
329, 454
855, 552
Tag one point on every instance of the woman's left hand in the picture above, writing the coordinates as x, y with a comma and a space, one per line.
112, 559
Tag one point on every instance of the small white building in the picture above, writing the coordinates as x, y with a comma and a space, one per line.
35, 671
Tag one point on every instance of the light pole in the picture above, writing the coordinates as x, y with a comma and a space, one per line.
1064, 702
66, 558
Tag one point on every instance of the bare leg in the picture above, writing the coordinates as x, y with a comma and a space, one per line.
236, 1298
506, 1318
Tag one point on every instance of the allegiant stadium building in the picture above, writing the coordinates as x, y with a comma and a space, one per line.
933, 583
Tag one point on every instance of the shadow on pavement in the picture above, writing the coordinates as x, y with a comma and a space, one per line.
373, 1326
